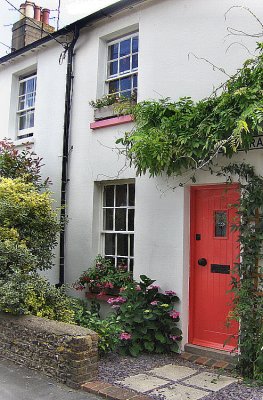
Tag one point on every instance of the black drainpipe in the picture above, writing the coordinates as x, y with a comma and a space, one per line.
64, 174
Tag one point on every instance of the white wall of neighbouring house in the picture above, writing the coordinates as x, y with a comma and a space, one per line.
49, 114
176, 39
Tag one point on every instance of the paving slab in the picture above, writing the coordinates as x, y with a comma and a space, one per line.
142, 382
173, 372
207, 380
180, 392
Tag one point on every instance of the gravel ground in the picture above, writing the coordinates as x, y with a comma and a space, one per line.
114, 367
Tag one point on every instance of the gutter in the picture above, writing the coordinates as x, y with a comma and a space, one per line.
81, 23
65, 155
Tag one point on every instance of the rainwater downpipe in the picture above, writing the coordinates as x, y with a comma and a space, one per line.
65, 155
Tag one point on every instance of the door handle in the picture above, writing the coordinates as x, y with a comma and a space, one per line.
202, 262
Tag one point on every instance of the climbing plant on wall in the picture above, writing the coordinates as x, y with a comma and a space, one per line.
247, 286
172, 137
175, 137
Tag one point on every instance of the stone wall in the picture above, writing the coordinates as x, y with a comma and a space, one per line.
65, 352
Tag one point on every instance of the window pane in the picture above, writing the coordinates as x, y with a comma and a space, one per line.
31, 119
131, 245
30, 85
113, 68
125, 83
22, 121
109, 243
21, 104
130, 220
125, 64
220, 223
108, 196
126, 94
108, 219
120, 219
135, 61
131, 195
131, 264
113, 51
121, 195
114, 86
22, 88
135, 83
135, 44
125, 47
122, 245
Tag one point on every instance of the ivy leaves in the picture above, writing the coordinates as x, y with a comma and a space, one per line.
170, 137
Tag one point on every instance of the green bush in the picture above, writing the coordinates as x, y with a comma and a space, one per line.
108, 329
33, 294
28, 220
148, 319
28, 236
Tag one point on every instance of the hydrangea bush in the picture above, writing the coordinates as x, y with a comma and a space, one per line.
148, 318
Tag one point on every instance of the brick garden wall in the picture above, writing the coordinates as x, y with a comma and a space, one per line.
65, 352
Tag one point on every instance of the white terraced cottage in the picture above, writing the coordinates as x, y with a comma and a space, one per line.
179, 236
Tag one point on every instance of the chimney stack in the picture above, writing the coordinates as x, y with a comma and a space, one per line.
32, 25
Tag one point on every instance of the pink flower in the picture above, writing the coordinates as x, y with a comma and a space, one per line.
174, 314
108, 285
111, 300
116, 300
138, 288
170, 293
174, 337
152, 287
154, 303
120, 300
125, 336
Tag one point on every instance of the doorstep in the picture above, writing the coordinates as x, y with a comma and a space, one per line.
209, 357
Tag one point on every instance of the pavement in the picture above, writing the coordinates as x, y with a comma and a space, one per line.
20, 383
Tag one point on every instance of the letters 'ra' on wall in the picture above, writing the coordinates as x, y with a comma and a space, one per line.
65, 352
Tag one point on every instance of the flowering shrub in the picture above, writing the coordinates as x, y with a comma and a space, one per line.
104, 277
22, 164
148, 318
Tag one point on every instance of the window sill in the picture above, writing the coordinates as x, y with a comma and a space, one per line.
95, 296
24, 142
123, 119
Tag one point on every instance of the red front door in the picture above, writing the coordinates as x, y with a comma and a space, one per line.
214, 251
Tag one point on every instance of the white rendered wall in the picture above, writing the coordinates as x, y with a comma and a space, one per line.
49, 114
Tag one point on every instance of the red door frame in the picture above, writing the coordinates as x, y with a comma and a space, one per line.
193, 190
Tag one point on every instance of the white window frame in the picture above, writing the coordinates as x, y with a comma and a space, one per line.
103, 231
132, 72
27, 110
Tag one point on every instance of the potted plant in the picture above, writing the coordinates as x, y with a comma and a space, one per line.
112, 105
104, 278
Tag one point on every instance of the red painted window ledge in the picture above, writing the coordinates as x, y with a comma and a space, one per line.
123, 119
95, 296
